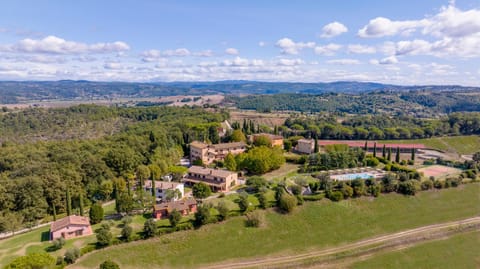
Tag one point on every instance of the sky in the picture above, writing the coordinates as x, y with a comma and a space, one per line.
400, 42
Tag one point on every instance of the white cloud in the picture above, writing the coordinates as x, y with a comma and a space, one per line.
181, 52
389, 60
288, 46
204, 53
262, 44
56, 45
381, 26
344, 61
231, 51
328, 50
236, 62
290, 62
112, 66
361, 49
333, 29
413, 47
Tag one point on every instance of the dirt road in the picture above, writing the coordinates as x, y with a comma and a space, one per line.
329, 257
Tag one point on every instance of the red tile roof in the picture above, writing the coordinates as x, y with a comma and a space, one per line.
67, 221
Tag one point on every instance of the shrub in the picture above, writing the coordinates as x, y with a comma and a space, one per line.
315, 197
58, 243
262, 200
406, 187
243, 202
96, 213
335, 195
126, 220
287, 203
32, 260
108, 264
255, 219
223, 210
202, 216
426, 185
71, 255
127, 232
104, 236
86, 249
296, 189
437, 184
174, 218
149, 228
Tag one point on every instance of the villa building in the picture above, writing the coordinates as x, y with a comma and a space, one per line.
184, 206
217, 152
306, 146
163, 187
217, 179
70, 227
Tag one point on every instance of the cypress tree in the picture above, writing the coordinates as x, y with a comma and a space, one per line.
275, 130
375, 149
69, 202
54, 212
80, 203
315, 147
389, 156
384, 151
413, 154
153, 187
397, 156
365, 148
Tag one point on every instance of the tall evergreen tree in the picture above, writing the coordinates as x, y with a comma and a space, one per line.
275, 130
375, 149
69, 202
384, 151
315, 147
397, 156
80, 203
365, 148
213, 135
54, 211
389, 156
413, 154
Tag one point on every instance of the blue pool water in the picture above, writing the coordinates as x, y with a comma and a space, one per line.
352, 176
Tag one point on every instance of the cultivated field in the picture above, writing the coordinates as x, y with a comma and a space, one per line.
458, 251
316, 225
453, 144
269, 119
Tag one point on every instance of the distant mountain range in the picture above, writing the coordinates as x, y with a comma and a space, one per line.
24, 91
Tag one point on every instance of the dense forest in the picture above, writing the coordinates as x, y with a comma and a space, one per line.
52, 177
328, 126
419, 103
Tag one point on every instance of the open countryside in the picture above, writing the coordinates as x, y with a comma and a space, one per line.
239, 134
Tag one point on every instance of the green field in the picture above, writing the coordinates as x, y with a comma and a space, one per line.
458, 251
454, 144
313, 226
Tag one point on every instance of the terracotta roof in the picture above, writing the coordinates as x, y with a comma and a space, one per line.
209, 171
198, 144
162, 185
178, 205
361, 144
67, 221
228, 145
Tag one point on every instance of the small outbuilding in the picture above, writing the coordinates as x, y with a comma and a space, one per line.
70, 227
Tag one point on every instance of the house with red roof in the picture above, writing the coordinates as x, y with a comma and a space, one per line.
70, 227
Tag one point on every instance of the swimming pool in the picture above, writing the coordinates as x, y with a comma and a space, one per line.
352, 176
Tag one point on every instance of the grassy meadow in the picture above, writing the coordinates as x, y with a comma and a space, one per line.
315, 225
458, 251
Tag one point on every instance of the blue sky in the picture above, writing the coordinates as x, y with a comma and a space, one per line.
401, 42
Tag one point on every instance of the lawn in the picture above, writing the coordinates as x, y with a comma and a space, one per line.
458, 251
315, 225
456, 144
38, 240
